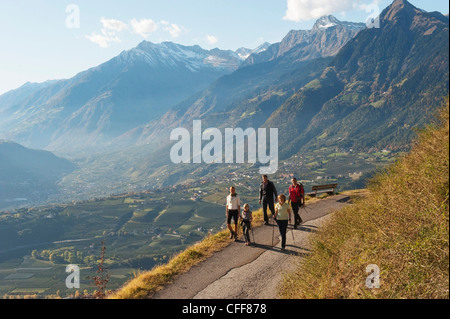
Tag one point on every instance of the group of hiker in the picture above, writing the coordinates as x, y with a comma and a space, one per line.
280, 207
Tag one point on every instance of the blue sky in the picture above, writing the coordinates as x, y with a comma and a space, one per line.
49, 39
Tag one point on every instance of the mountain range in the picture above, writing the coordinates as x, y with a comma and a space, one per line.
338, 86
103, 102
140, 85
326, 38
379, 86
29, 176
262, 83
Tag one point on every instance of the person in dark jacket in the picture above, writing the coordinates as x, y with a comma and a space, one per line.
267, 194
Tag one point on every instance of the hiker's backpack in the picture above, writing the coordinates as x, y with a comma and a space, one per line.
302, 190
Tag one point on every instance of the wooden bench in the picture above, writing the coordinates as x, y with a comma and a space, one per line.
319, 189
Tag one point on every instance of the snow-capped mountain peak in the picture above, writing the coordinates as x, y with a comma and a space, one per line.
172, 55
326, 22
330, 21
244, 53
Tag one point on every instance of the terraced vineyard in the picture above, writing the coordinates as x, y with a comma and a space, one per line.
139, 231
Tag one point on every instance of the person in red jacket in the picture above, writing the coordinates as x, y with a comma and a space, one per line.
296, 199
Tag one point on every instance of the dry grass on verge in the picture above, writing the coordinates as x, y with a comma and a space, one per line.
402, 226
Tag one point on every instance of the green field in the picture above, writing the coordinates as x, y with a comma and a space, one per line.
139, 231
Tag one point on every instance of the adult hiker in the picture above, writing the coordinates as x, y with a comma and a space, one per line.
267, 192
296, 200
232, 211
283, 218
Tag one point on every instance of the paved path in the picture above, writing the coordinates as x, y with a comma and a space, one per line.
252, 272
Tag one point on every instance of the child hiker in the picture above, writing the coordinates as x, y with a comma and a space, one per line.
246, 216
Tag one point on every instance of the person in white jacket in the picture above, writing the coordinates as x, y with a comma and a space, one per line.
232, 211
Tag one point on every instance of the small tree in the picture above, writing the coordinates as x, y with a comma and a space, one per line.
102, 279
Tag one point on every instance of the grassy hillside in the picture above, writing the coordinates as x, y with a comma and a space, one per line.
402, 226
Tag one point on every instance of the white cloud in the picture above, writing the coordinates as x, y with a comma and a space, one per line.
113, 25
174, 29
212, 39
111, 31
144, 27
304, 10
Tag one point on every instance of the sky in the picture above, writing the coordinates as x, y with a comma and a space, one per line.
56, 39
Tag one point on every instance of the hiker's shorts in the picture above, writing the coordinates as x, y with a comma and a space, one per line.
232, 213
